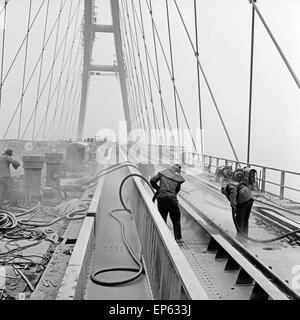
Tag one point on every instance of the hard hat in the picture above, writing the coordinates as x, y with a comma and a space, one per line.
9, 152
176, 167
238, 176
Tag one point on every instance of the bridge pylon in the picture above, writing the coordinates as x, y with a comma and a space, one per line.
89, 29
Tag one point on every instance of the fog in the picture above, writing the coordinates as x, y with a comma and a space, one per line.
224, 48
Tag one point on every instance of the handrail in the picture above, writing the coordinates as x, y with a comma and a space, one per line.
282, 186
168, 271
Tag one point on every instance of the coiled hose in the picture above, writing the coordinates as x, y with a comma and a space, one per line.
7, 220
140, 268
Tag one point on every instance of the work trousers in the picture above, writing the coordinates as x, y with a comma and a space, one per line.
7, 190
167, 205
242, 215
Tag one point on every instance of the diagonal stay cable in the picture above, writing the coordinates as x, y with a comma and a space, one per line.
198, 79
53, 93
156, 124
135, 71
31, 76
24, 69
29, 81
150, 95
77, 77
275, 43
3, 47
131, 68
41, 68
140, 65
42, 91
206, 80
170, 72
21, 45
49, 73
172, 68
62, 67
52, 70
149, 60
68, 76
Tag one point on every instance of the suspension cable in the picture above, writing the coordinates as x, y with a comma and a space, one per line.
132, 92
54, 91
131, 64
68, 75
29, 81
41, 69
22, 43
69, 99
172, 69
170, 72
3, 48
198, 80
251, 83
156, 124
157, 69
276, 43
148, 59
152, 68
51, 77
140, 64
42, 91
61, 68
205, 79
24, 69
135, 70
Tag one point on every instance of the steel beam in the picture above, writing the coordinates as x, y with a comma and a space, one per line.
102, 28
103, 68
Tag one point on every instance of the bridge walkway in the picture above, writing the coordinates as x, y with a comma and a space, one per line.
110, 250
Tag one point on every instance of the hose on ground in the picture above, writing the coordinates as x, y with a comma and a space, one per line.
138, 270
7, 220
263, 240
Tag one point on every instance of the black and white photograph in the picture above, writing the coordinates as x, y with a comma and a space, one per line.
149, 153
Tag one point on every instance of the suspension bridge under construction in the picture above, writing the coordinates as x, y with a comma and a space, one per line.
83, 225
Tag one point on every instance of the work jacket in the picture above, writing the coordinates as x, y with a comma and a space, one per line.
5, 162
236, 193
169, 186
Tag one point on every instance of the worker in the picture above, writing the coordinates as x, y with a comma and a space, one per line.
6, 183
241, 201
170, 181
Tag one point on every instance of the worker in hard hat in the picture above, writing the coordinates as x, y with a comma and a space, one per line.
241, 201
6, 183
170, 181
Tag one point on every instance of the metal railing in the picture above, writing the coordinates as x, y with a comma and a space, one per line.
169, 274
262, 171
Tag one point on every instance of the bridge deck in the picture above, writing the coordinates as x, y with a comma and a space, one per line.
280, 256
110, 250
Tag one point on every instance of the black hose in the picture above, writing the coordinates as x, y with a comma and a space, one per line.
7, 220
139, 270
257, 240
121, 187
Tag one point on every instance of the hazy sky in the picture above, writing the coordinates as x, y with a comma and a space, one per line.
224, 41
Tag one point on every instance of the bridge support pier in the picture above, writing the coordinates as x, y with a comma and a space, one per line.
90, 28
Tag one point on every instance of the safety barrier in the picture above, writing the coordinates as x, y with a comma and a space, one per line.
169, 274
73, 284
214, 162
